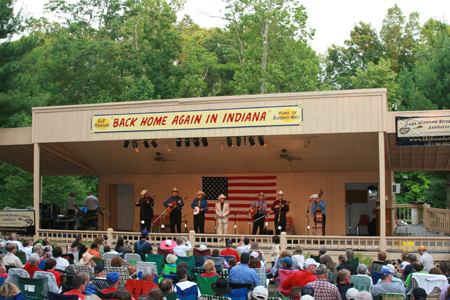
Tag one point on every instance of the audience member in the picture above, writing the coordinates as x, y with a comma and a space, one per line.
99, 272
166, 286
32, 265
386, 285
425, 258
95, 250
9, 289
86, 259
142, 245
418, 267
322, 288
145, 297
255, 247
27, 248
403, 261
419, 294
435, 271
210, 269
307, 297
344, 277
242, 273
230, 250
47, 245
183, 282
444, 268
3, 248
232, 262
50, 265
92, 297
61, 263
351, 294
171, 266
3, 272
364, 295
244, 244
260, 293
381, 258
275, 252
255, 260
216, 253
394, 278
322, 250
307, 290
156, 294
117, 261
303, 277
122, 295
78, 244
287, 265
149, 275
343, 264
183, 246
11, 259
221, 287
107, 249
297, 256
79, 284
13, 240
412, 258
327, 261
362, 271
122, 246
100, 240
349, 254
113, 280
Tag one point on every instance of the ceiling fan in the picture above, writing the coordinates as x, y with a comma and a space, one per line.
286, 156
159, 158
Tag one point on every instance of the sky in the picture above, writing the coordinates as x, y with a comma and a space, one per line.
333, 20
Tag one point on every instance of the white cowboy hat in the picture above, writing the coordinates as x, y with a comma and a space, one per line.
143, 192
314, 196
222, 196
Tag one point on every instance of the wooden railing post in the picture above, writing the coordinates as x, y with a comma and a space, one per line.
283, 241
109, 234
192, 237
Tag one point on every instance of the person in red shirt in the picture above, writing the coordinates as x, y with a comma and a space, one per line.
303, 277
50, 264
95, 248
113, 280
79, 284
210, 269
230, 250
32, 265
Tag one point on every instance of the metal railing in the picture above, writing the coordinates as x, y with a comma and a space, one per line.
405, 214
436, 219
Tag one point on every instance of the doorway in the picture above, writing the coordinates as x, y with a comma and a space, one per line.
357, 204
121, 206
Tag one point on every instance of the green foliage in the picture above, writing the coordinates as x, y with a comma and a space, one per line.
367, 260
413, 186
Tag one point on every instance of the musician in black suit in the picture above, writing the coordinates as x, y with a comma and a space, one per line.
175, 215
146, 203
280, 207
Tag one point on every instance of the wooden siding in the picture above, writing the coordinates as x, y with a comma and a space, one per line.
297, 189
324, 112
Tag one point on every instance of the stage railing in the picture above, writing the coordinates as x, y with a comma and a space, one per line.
404, 212
361, 243
432, 244
436, 219
68, 236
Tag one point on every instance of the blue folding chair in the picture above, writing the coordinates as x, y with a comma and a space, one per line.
2, 280
19, 296
238, 294
187, 294
172, 277
228, 257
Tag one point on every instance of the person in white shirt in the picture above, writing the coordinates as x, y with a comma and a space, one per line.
13, 239
91, 204
298, 257
11, 259
426, 259
27, 248
247, 244
61, 263
183, 245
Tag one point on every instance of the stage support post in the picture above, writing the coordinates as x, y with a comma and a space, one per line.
382, 189
36, 187
283, 241
192, 237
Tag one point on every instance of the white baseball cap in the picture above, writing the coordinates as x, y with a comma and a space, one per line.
311, 261
260, 292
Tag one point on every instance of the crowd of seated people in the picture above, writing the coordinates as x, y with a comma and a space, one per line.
226, 271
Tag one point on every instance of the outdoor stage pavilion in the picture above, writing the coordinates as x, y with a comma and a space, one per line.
346, 141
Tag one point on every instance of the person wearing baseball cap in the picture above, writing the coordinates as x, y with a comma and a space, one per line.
425, 258
287, 264
242, 272
260, 293
386, 285
142, 246
146, 214
200, 206
322, 288
302, 277
175, 214
99, 271
113, 280
230, 251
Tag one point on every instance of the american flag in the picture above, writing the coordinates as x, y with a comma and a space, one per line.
240, 192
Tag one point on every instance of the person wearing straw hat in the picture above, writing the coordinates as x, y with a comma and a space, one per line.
175, 215
200, 206
146, 203
318, 204
280, 207
258, 219
222, 212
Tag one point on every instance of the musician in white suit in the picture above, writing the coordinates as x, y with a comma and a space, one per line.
222, 212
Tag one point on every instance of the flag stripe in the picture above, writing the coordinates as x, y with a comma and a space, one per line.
249, 184
252, 178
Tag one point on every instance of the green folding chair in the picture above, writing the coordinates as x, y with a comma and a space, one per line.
98, 260
169, 270
170, 296
190, 260
22, 256
157, 259
32, 287
204, 284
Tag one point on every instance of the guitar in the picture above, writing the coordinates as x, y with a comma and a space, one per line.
319, 217
254, 210
174, 204
283, 202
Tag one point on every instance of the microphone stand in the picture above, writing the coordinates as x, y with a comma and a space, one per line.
186, 228
235, 223
307, 215
104, 209
350, 215
159, 218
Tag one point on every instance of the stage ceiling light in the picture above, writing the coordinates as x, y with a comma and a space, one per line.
135, 144
205, 142
196, 142
251, 140
238, 141
261, 140
154, 144
125, 144
168, 148
187, 142
229, 142
146, 145
178, 142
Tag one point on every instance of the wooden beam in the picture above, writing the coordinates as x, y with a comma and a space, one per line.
400, 157
412, 159
36, 185
65, 157
425, 158
388, 152
448, 161
437, 158
382, 189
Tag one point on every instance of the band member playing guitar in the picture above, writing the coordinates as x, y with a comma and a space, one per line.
200, 206
280, 207
174, 205
318, 211
222, 212
146, 203
258, 210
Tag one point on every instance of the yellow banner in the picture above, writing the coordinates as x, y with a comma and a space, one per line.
16, 218
205, 119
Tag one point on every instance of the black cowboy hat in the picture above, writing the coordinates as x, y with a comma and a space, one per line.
221, 287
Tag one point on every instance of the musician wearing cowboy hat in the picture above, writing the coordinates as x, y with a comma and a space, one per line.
222, 212
175, 215
258, 219
318, 204
280, 207
146, 203
200, 206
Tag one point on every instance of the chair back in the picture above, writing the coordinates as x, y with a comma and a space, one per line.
2, 280
19, 296
198, 252
199, 261
187, 294
22, 256
431, 283
69, 256
86, 269
157, 259
75, 251
50, 284
172, 277
109, 255
124, 273
142, 265
138, 288
68, 279
133, 256
262, 276
237, 293
31, 287
282, 275
55, 296
355, 263
170, 296
219, 262
376, 266
210, 297
296, 291
169, 269
228, 257
190, 260
361, 282
100, 284
375, 277
14, 274
98, 260
164, 252
204, 284
392, 296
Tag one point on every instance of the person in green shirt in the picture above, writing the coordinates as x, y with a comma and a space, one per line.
418, 267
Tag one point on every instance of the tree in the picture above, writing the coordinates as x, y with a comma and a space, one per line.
10, 24
413, 184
